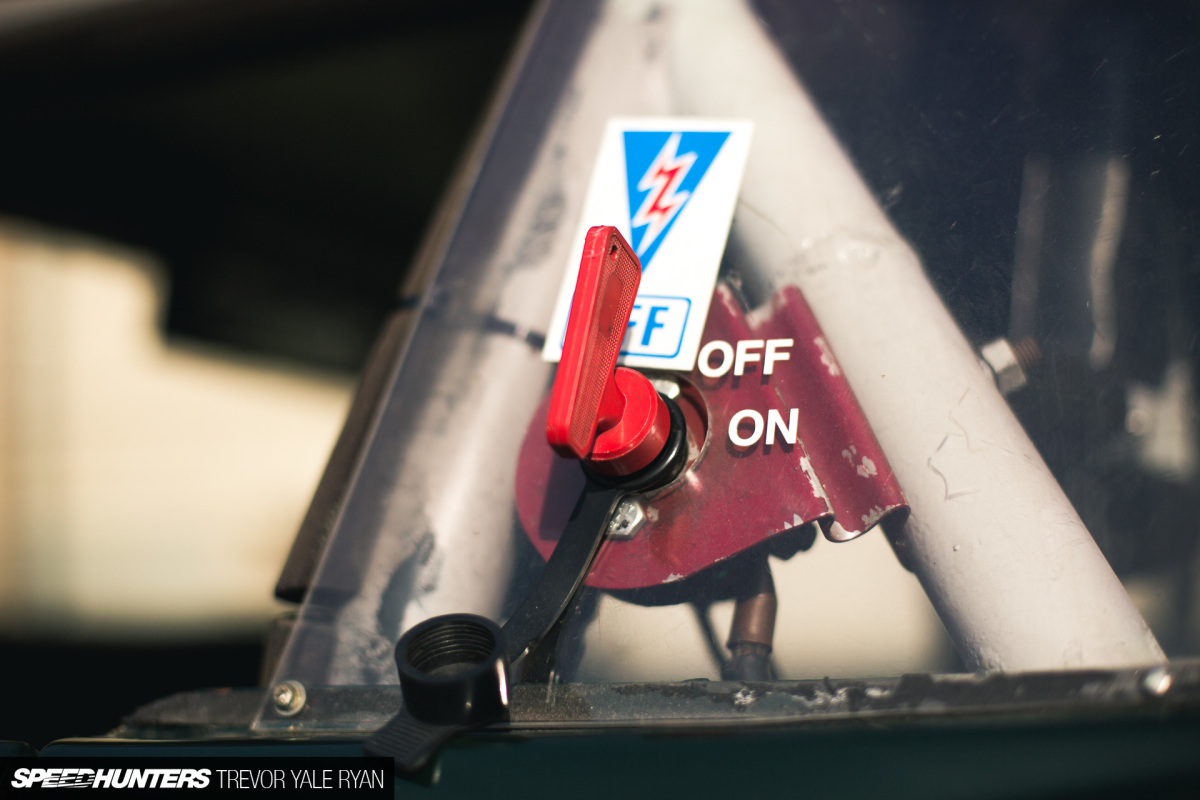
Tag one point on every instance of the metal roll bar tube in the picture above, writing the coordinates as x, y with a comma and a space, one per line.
1015, 576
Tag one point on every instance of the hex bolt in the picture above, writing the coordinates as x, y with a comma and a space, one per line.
1006, 364
1156, 682
289, 698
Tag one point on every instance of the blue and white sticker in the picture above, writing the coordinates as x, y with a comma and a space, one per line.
670, 185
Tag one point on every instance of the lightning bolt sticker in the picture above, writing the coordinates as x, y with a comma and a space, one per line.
670, 184
663, 168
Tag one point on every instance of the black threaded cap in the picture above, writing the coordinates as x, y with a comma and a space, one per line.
453, 670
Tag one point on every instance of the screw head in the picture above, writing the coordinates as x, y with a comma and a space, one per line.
1156, 682
289, 698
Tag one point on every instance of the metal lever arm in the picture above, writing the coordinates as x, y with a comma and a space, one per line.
564, 572
454, 669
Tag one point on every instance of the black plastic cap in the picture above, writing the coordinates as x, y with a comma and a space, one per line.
453, 670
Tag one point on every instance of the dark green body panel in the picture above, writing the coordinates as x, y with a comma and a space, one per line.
1135, 756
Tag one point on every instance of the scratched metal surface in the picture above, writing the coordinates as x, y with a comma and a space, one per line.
712, 704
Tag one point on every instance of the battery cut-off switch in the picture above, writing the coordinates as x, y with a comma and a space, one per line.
455, 669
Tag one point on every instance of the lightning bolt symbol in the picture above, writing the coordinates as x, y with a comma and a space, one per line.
664, 200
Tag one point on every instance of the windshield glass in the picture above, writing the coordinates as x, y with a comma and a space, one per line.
934, 347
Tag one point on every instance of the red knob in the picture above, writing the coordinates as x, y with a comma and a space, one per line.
607, 415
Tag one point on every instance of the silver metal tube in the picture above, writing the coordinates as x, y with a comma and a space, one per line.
1014, 574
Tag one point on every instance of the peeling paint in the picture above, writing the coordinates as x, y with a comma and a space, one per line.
827, 358
796, 522
817, 489
674, 576
865, 468
874, 516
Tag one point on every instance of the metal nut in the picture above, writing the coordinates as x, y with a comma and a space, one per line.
1005, 365
289, 698
627, 520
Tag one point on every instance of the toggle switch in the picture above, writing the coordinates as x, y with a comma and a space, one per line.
610, 417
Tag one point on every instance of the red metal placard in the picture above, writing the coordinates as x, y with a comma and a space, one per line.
732, 497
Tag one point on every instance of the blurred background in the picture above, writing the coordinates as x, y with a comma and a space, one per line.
207, 208
206, 211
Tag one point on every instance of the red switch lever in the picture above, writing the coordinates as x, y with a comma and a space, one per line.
607, 415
